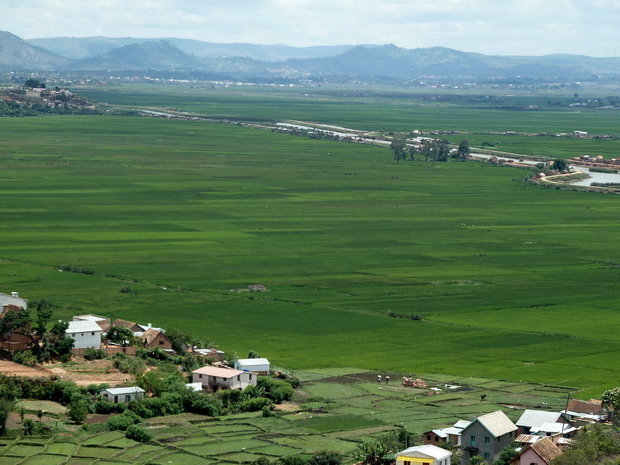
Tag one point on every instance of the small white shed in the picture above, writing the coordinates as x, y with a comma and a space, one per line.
257, 365
85, 334
122, 394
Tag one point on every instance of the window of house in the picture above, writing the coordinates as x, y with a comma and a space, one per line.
128, 398
224, 379
436, 439
487, 440
428, 437
92, 334
407, 462
200, 376
161, 343
486, 456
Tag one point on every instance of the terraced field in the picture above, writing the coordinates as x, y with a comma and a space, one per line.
339, 409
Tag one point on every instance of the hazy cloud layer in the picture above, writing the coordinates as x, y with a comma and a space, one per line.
508, 27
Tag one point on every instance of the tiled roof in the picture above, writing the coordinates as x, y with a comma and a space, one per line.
546, 449
581, 406
125, 323
150, 334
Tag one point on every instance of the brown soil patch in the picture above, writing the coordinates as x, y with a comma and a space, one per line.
85, 372
15, 369
287, 407
92, 419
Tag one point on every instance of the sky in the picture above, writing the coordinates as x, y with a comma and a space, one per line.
492, 27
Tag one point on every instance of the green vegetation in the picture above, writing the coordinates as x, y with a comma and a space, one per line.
188, 211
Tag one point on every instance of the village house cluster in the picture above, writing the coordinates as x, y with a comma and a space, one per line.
90, 331
542, 435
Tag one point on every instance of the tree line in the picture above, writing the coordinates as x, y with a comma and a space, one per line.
430, 149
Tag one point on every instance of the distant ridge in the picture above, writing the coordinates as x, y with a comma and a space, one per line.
88, 47
240, 61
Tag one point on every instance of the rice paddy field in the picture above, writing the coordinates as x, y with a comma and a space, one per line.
505, 280
340, 408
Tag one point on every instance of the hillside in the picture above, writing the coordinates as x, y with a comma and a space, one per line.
161, 55
16, 53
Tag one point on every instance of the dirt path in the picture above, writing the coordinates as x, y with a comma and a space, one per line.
90, 372
15, 369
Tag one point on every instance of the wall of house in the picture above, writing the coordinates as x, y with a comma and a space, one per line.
87, 339
240, 381
529, 457
487, 450
160, 341
418, 460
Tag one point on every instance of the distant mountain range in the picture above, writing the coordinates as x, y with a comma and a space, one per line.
262, 61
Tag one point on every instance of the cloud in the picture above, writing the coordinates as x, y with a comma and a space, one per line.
511, 27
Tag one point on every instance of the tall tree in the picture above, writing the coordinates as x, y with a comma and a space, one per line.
20, 321
464, 150
399, 148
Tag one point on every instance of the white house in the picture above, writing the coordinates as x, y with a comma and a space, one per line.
214, 378
257, 365
85, 334
122, 394
12, 299
427, 454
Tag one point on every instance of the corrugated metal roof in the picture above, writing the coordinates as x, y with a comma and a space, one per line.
531, 418
497, 423
428, 450
248, 362
86, 326
121, 391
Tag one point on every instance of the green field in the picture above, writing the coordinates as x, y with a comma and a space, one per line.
513, 281
371, 110
345, 410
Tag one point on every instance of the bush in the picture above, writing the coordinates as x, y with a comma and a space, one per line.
278, 391
94, 354
26, 358
204, 404
138, 434
130, 365
105, 407
77, 411
255, 404
120, 422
